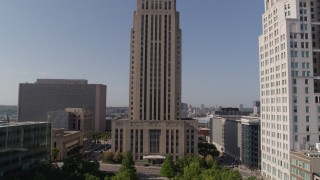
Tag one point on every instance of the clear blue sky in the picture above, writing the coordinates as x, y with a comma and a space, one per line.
90, 39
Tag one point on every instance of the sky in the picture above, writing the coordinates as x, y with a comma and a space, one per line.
90, 39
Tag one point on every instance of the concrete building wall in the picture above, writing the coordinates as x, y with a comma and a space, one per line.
289, 82
35, 100
217, 133
226, 135
59, 119
232, 138
67, 142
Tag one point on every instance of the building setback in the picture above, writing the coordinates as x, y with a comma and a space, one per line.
155, 87
37, 99
289, 60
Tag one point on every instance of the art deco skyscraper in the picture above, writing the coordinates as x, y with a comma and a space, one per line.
154, 127
155, 66
289, 83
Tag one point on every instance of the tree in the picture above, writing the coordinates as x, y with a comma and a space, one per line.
76, 167
127, 169
96, 136
207, 148
181, 163
167, 168
106, 136
39, 176
124, 175
108, 156
209, 161
117, 157
89, 176
55, 153
192, 171
127, 162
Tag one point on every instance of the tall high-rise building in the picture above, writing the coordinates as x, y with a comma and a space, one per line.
289, 49
155, 128
155, 72
37, 99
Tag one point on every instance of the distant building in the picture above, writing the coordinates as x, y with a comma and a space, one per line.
241, 107
238, 137
304, 165
22, 144
37, 99
256, 104
68, 143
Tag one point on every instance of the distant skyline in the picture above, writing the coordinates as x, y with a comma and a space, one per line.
78, 39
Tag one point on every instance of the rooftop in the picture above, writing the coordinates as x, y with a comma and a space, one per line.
11, 124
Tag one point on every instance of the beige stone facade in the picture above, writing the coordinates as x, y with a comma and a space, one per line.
155, 65
82, 120
66, 142
149, 139
155, 128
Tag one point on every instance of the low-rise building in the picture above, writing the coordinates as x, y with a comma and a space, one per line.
23, 144
67, 142
152, 140
74, 119
304, 165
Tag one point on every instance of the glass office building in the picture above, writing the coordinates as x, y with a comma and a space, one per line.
23, 144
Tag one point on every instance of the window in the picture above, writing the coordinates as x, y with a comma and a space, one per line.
307, 109
154, 141
295, 118
307, 128
306, 90
308, 138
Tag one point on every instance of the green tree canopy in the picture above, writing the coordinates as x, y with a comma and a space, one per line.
108, 156
207, 148
127, 169
167, 168
209, 161
117, 158
54, 153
